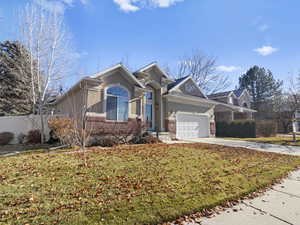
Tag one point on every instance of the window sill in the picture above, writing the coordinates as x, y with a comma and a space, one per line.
116, 121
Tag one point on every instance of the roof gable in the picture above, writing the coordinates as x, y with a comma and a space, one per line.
124, 71
186, 85
153, 65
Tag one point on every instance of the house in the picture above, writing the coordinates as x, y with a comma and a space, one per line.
234, 105
174, 107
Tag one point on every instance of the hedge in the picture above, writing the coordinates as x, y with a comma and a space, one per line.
236, 128
266, 128
6, 137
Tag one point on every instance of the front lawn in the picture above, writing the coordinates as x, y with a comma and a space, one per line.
273, 140
145, 184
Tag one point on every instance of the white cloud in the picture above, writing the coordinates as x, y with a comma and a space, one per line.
263, 27
135, 5
228, 68
265, 50
127, 5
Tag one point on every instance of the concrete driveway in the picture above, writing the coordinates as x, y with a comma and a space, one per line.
282, 149
278, 206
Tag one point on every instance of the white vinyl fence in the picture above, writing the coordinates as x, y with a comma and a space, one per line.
23, 124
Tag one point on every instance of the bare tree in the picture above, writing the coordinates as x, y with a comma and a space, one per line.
203, 70
167, 69
44, 34
286, 105
75, 128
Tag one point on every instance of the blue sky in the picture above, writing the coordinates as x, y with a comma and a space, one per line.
239, 33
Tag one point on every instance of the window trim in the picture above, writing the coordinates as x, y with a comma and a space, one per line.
105, 102
230, 99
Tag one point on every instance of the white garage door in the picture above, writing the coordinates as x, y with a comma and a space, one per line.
191, 126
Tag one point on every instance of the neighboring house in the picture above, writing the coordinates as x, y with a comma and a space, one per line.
236, 105
296, 123
175, 107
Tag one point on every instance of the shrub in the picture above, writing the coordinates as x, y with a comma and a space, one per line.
266, 128
150, 140
53, 139
237, 128
103, 141
6, 137
144, 139
21, 138
33, 137
65, 129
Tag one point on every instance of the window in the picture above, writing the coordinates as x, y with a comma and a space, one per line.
149, 95
117, 104
230, 100
149, 109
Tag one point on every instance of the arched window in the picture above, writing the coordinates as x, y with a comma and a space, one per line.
117, 103
245, 105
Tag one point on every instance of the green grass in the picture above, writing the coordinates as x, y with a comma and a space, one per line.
145, 184
272, 140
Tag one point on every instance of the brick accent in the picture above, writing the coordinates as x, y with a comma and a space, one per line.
170, 126
101, 126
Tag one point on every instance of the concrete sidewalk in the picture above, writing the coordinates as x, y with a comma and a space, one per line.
282, 149
278, 206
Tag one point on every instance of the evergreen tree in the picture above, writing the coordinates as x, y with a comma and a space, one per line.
261, 84
15, 79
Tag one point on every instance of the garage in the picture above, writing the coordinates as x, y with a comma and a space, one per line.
191, 126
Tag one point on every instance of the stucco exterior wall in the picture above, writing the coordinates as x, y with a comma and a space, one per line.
136, 107
118, 78
174, 107
71, 104
95, 100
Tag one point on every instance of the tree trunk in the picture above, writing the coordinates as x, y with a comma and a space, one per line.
294, 137
42, 125
285, 127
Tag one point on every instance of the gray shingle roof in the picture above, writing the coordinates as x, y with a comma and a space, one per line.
219, 94
176, 82
238, 92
